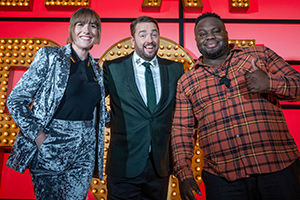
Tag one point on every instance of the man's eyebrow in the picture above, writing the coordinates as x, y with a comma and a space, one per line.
142, 31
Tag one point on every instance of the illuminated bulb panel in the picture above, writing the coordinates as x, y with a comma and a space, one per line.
167, 49
66, 4
151, 5
242, 43
16, 5
192, 5
239, 5
14, 53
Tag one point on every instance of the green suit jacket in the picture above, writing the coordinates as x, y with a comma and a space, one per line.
133, 126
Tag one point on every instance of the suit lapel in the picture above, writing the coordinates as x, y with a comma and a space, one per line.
129, 73
164, 79
61, 66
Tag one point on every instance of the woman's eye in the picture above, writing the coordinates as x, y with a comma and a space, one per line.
93, 26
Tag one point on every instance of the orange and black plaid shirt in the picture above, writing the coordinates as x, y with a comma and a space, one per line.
241, 133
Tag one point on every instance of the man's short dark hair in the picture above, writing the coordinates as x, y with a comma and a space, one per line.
208, 14
142, 19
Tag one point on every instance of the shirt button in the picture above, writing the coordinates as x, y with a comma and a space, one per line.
237, 135
232, 116
151, 119
243, 154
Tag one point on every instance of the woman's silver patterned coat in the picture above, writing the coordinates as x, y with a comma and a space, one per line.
44, 84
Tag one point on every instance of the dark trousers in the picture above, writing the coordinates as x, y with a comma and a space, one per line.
281, 185
146, 186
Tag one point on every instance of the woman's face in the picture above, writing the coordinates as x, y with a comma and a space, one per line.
84, 35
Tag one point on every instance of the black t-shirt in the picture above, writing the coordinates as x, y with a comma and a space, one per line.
82, 92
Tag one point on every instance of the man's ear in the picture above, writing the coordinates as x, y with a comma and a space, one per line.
132, 40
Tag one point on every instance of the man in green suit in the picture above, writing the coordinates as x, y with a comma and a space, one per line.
142, 90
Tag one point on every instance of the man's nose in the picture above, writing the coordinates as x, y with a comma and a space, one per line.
210, 35
149, 38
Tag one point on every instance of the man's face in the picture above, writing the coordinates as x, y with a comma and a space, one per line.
146, 40
211, 38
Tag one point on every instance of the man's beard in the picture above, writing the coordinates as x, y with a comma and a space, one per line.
214, 53
143, 54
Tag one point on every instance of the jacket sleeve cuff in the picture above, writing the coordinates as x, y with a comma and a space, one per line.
184, 174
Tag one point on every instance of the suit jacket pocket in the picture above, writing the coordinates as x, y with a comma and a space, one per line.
22, 153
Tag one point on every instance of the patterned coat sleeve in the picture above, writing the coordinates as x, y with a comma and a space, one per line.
23, 94
104, 118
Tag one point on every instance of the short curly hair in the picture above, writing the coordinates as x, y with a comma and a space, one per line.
208, 14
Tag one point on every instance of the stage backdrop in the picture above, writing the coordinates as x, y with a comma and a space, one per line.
273, 23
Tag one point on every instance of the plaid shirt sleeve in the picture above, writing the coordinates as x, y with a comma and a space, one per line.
284, 80
182, 135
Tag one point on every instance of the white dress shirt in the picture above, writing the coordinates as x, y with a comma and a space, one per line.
139, 73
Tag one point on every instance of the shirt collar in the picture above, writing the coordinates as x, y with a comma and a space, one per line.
75, 59
199, 62
138, 61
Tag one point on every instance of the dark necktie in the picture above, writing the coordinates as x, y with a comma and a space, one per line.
150, 89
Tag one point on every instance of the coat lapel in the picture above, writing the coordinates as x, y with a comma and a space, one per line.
129, 73
164, 79
61, 75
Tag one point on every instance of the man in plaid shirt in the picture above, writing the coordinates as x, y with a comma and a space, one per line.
231, 97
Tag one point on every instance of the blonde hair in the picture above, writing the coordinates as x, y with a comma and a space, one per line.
84, 16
